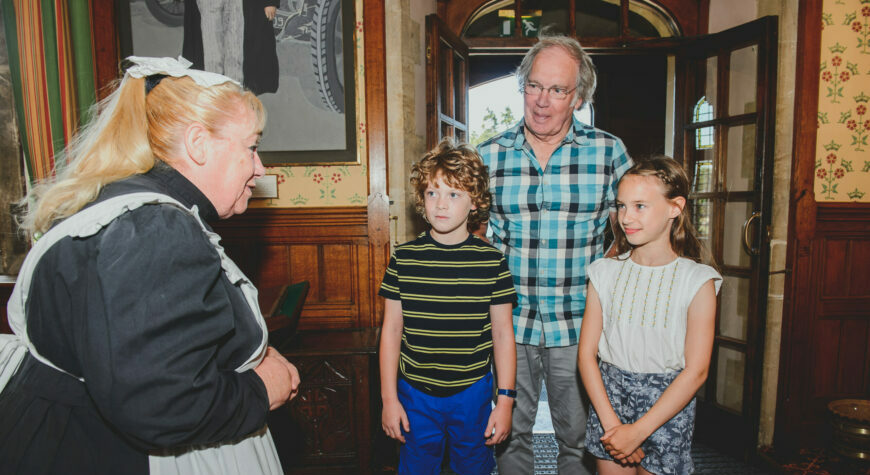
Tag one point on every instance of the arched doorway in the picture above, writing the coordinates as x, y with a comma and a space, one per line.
653, 71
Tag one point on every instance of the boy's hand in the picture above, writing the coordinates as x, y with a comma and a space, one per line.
500, 420
392, 418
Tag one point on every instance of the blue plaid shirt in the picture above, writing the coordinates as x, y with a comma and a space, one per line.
550, 223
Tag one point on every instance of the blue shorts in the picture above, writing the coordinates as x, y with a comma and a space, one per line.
668, 449
457, 421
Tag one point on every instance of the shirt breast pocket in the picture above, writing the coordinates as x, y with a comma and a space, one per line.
583, 196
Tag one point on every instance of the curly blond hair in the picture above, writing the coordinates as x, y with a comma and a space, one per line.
461, 167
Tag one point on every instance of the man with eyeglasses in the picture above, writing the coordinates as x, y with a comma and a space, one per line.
553, 181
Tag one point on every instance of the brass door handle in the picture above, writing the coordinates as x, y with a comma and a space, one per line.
752, 251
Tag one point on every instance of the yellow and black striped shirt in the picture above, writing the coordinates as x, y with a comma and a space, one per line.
446, 292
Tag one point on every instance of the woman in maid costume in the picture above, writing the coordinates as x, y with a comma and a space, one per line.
139, 346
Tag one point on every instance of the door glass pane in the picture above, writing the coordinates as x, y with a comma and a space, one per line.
550, 13
729, 378
446, 79
734, 309
710, 82
702, 219
742, 80
446, 130
459, 89
596, 18
703, 178
740, 160
639, 25
490, 22
733, 252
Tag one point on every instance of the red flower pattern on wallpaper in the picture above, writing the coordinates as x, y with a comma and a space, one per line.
843, 164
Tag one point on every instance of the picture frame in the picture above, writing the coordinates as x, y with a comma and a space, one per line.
312, 116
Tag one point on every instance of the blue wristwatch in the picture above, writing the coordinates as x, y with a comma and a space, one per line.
511, 393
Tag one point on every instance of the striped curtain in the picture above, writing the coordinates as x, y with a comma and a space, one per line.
52, 68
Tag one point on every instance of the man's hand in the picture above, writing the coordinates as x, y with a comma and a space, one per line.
392, 418
499, 421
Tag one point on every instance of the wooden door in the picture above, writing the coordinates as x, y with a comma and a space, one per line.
725, 130
446, 84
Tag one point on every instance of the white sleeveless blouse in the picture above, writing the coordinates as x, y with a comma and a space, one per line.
645, 309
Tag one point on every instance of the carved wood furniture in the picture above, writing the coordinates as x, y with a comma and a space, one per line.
333, 425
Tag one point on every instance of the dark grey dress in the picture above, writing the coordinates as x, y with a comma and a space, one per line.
143, 312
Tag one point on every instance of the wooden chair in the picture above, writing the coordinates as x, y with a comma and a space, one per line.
284, 316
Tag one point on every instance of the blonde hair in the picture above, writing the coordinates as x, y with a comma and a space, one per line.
128, 131
461, 167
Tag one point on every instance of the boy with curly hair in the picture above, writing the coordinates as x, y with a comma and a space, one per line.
449, 298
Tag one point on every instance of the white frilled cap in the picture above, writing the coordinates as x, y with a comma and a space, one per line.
176, 68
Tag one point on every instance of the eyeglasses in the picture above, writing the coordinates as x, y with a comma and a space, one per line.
556, 92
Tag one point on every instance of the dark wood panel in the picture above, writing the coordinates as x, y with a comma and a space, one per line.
859, 275
845, 307
333, 426
825, 353
851, 359
835, 282
339, 273
328, 247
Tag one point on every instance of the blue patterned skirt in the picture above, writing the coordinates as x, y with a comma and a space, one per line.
668, 449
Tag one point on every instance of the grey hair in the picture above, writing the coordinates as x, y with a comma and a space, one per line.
586, 77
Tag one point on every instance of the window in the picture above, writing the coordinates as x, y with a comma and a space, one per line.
702, 113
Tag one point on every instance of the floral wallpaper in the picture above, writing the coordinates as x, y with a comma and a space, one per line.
328, 185
842, 150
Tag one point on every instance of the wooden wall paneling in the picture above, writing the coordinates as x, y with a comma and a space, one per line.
338, 283
850, 362
304, 266
834, 281
859, 278
329, 247
824, 352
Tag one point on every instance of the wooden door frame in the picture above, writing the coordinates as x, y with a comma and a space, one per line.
802, 210
764, 28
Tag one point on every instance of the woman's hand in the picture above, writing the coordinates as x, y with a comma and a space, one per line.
622, 442
394, 419
270, 13
279, 376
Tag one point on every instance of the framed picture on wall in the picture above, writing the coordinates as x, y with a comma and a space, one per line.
309, 92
